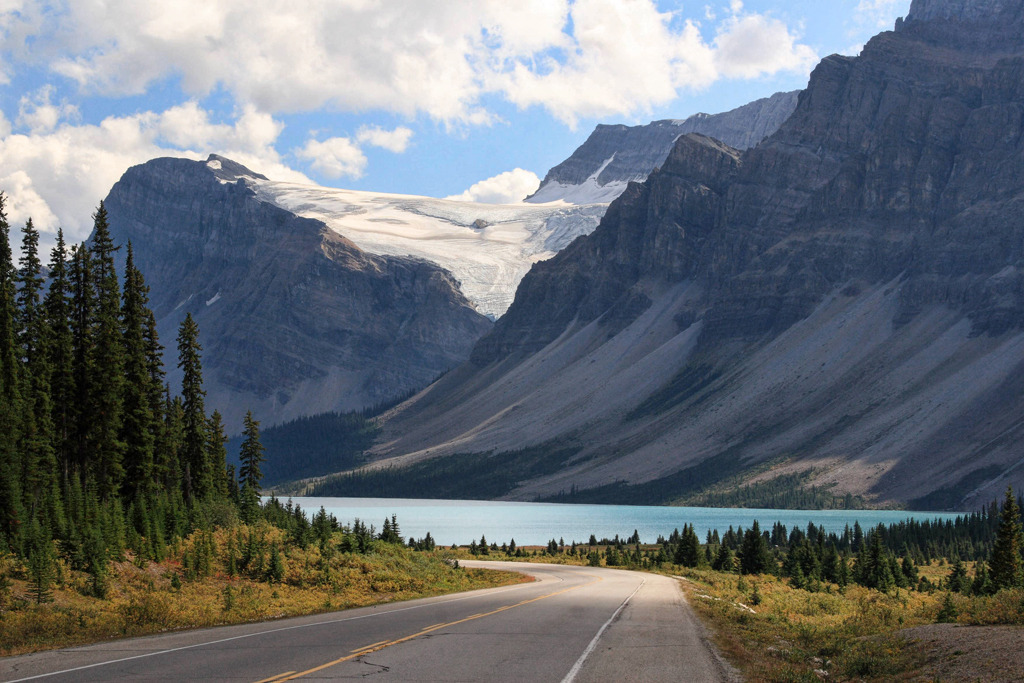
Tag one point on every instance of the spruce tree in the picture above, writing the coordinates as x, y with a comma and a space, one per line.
41, 494
1005, 566
60, 348
251, 454
138, 428
755, 557
11, 512
197, 476
217, 454
106, 409
83, 303
688, 551
42, 561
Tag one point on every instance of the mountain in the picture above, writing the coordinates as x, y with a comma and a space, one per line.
841, 305
318, 299
613, 156
295, 319
487, 247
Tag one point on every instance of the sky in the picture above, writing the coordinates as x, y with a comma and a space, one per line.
474, 99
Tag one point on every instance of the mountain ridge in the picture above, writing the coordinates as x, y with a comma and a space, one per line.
295, 318
614, 155
844, 299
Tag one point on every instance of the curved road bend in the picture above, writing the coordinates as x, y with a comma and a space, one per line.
572, 624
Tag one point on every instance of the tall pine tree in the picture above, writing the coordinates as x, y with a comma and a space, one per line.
41, 494
217, 454
1005, 562
198, 478
82, 307
106, 397
60, 349
11, 511
252, 454
139, 428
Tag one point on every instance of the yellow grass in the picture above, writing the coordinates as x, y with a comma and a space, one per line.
142, 600
796, 635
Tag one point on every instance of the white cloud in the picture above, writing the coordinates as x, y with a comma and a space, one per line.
24, 203
39, 115
396, 140
754, 45
334, 157
505, 188
584, 58
63, 173
881, 14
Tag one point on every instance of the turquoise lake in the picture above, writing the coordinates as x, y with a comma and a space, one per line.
462, 521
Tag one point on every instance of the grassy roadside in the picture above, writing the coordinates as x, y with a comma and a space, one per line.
774, 632
199, 585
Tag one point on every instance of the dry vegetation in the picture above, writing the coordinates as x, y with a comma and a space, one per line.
774, 632
146, 597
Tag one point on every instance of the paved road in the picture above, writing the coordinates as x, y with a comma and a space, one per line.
572, 624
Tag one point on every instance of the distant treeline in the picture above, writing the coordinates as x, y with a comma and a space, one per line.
311, 446
462, 476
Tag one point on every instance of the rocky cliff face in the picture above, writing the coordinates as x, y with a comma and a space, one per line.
294, 318
615, 155
844, 299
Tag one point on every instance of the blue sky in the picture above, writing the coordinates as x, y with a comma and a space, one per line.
475, 98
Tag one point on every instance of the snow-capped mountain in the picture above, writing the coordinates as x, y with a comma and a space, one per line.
487, 247
615, 155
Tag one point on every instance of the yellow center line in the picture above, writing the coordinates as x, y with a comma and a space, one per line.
275, 678
433, 626
388, 643
360, 649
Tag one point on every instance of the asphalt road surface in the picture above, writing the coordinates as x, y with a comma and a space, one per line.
571, 624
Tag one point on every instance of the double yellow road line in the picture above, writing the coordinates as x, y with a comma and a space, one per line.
375, 647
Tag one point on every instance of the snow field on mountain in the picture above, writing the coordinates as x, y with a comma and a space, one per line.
487, 247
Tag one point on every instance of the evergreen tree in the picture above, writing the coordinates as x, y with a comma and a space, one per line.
60, 349
688, 551
198, 480
167, 466
217, 454
11, 512
873, 568
1005, 567
42, 561
723, 559
139, 428
957, 580
755, 557
41, 495
251, 454
29, 318
82, 306
107, 381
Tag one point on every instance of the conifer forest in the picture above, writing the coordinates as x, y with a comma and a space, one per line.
97, 454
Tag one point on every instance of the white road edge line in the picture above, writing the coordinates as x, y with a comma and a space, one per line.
575, 670
263, 633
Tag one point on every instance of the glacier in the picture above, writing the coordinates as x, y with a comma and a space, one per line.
487, 247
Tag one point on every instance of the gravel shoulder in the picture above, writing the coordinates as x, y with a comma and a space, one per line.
987, 654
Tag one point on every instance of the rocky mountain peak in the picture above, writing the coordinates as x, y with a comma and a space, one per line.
230, 171
984, 25
615, 155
